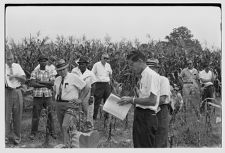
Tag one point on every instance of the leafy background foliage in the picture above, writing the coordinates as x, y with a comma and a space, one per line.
172, 53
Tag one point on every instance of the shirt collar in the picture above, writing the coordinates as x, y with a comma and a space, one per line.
143, 72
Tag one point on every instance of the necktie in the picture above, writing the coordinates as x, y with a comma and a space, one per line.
60, 89
10, 71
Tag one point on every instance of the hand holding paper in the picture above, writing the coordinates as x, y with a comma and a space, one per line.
125, 100
113, 107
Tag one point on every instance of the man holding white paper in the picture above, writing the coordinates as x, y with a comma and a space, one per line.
145, 121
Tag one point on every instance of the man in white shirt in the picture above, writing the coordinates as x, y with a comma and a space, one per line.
145, 122
89, 77
14, 77
69, 90
103, 73
206, 79
190, 81
163, 114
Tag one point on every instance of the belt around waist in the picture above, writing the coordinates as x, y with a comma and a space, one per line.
188, 82
146, 110
12, 88
163, 105
102, 82
63, 101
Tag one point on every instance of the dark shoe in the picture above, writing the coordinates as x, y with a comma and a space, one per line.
6, 140
16, 141
32, 136
53, 135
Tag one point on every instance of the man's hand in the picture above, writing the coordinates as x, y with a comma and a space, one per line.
76, 101
125, 100
91, 100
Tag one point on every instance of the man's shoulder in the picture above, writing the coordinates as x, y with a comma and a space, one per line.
57, 79
16, 65
150, 72
163, 78
97, 63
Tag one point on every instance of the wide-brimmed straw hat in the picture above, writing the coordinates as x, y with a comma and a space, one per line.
61, 64
152, 62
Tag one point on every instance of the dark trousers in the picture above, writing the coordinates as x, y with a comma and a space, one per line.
13, 110
38, 104
144, 128
102, 91
208, 92
163, 127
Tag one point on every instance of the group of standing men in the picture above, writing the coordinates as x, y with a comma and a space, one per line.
81, 87
88, 88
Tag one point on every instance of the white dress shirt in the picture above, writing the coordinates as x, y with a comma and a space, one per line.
16, 70
71, 86
102, 72
149, 83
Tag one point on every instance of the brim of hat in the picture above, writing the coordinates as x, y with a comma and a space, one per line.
149, 65
43, 59
61, 68
81, 62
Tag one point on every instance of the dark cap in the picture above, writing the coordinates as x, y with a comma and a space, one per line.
42, 58
83, 59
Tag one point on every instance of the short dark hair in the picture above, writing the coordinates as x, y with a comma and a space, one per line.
135, 56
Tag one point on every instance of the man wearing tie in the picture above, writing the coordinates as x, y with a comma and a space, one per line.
69, 90
15, 76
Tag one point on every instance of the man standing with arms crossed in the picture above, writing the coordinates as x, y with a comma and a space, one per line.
15, 76
103, 73
42, 79
145, 121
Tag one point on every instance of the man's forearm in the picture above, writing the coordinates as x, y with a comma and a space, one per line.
46, 83
149, 101
84, 92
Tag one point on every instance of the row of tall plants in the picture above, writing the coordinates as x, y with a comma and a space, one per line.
178, 47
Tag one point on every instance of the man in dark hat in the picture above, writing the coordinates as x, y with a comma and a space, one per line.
14, 78
163, 113
50, 65
69, 90
89, 77
42, 80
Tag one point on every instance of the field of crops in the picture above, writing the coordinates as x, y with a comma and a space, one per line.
121, 131
172, 55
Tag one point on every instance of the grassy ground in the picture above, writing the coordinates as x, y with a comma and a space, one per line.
189, 133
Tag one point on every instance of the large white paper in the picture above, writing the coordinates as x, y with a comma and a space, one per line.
115, 109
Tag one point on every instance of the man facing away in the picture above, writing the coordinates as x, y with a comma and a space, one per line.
14, 77
163, 114
145, 122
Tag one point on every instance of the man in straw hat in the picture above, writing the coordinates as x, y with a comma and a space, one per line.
163, 114
42, 79
90, 79
14, 77
69, 90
